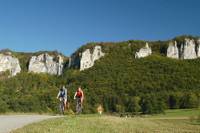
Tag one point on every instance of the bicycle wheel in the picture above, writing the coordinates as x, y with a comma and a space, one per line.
61, 107
78, 106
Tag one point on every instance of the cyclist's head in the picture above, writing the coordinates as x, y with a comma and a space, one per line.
79, 88
61, 89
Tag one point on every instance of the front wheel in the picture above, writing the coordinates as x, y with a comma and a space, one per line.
78, 106
62, 107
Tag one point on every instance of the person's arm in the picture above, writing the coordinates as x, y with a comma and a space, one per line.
66, 92
82, 98
75, 95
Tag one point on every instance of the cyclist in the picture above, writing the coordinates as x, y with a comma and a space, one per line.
79, 96
63, 94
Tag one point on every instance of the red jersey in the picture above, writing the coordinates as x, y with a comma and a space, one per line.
79, 94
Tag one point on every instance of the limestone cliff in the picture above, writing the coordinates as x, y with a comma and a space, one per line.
198, 48
88, 59
143, 52
45, 63
9, 63
172, 50
186, 50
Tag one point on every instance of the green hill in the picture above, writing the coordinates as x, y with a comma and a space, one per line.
117, 81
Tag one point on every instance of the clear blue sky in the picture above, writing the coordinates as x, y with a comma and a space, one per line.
65, 25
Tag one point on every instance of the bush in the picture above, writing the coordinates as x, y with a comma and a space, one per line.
3, 106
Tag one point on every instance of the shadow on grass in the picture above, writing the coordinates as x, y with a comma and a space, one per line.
195, 123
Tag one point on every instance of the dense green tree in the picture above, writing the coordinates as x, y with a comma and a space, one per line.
133, 104
189, 100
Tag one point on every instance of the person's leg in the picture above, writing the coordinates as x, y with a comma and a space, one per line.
65, 103
81, 102
78, 100
62, 104
77, 105
80, 105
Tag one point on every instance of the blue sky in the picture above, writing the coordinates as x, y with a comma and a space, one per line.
65, 25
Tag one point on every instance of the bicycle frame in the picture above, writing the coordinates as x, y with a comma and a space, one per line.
78, 106
62, 105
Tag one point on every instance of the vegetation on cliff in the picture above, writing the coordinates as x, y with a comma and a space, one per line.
117, 81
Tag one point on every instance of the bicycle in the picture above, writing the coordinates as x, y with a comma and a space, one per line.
78, 106
62, 105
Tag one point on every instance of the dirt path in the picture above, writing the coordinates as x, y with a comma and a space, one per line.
11, 122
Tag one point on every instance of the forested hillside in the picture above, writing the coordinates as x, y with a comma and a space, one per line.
117, 81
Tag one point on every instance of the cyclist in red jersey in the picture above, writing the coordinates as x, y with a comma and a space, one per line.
79, 95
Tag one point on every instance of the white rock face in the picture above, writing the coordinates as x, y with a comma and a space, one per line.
172, 50
60, 65
45, 63
7, 62
198, 48
97, 53
188, 49
144, 52
88, 59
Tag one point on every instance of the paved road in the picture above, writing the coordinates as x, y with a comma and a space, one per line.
11, 122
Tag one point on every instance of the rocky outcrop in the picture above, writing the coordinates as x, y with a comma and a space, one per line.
188, 49
198, 48
45, 63
9, 63
172, 50
88, 59
144, 52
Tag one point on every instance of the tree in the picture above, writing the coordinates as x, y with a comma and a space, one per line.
134, 104
189, 100
3, 106
174, 100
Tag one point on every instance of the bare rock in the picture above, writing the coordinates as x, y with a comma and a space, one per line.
172, 50
9, 63
88, 59
188, 49
144, 52
198, 48
45, 63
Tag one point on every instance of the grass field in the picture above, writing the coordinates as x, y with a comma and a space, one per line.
174, 121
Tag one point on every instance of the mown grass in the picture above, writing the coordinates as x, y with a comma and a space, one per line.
175, 121
178, 113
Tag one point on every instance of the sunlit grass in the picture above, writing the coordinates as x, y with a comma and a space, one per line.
174, 121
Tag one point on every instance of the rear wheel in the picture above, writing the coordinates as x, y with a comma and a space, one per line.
78, 106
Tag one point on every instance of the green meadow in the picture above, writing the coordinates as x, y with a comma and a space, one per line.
173, 121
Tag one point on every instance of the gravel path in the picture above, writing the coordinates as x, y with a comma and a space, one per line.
11, 122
